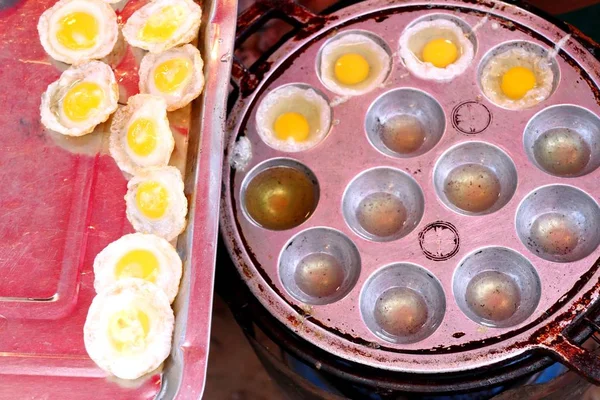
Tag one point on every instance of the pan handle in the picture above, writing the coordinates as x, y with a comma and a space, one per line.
255, 17
580, 360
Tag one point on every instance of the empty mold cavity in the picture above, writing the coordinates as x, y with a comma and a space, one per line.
564, 141
559, 223
279, 194
383, 204
405, 123
319, 266
475, 178
402, 303
497, 287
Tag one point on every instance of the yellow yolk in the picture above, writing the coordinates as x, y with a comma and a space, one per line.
440, 52
291, 125
351, 69
517, 81
142, 136
152, 199
82, 100
128, 329
77, 31
162, 24
141, 264
171, 74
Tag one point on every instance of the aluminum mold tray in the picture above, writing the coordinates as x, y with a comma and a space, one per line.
61, 202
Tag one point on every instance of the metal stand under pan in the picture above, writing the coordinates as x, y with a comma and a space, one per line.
555, 291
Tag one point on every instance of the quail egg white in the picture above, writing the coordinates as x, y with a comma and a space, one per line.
140, 136
129, 328
175, 75
75, 31
517, 78
353, 64
162, 24
293, 118
436, 50
142, 256
155, 202
83, 97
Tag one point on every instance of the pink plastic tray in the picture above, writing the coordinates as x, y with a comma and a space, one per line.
61, 202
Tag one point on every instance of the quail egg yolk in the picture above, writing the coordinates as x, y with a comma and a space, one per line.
162, 24
517, 81
351, 69
77, 31
139, 263
291, 125
142, 136
152, 199
128, 329
171, 74
440, 52
82, 100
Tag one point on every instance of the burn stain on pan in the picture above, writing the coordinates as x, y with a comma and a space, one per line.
538, 336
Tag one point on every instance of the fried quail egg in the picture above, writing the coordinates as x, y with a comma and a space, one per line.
175, 75
517, 78
162, 24
140, 136
155, 202
75, 31
141, 256
83, 97
436, 50
353, 64
129, 328
293, 118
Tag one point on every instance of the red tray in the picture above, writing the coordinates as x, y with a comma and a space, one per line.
61, 202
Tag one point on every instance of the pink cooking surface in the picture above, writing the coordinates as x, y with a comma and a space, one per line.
61, 202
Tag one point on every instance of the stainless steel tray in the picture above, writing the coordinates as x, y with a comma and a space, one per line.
62, 202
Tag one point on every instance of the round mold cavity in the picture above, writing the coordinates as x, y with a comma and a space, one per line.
559, 223
383, 204
313, 106
564, 140
475, 178
279, 194
497, 287
529, 47
370, 35
466, 28
319, 266
405, 123
402, 303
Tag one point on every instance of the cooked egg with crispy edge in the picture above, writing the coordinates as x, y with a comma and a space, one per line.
155, 202
517, 78
353, 64
129, 328
83, 97
142, 256
140, 135
293, 118
436, 50
163, 24
75, 31
175, 75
